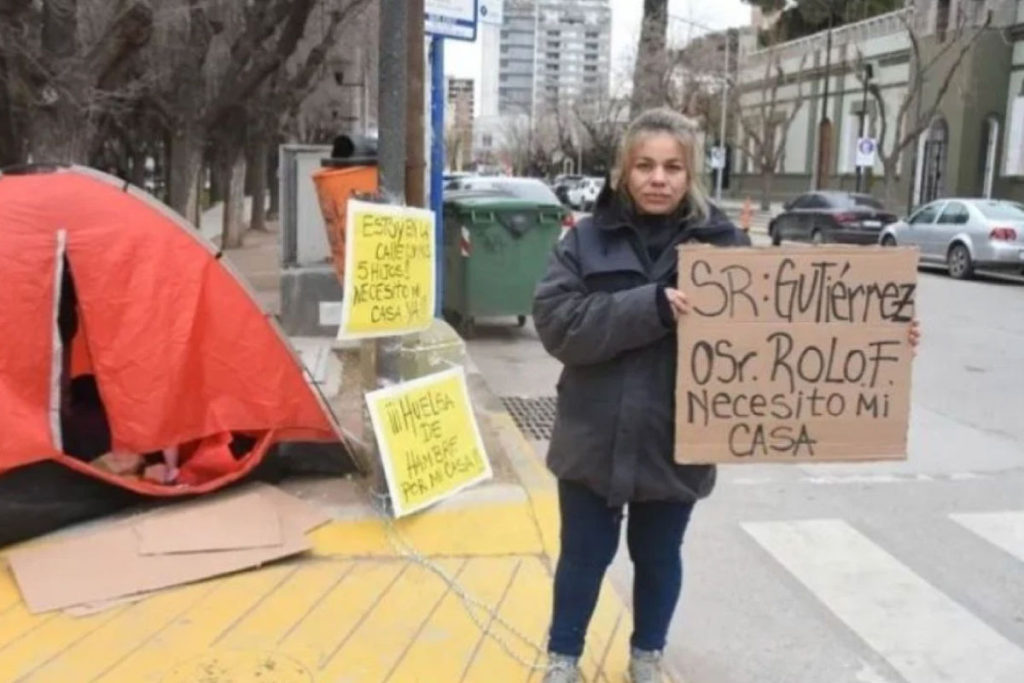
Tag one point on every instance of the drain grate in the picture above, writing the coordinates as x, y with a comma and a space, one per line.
534, 415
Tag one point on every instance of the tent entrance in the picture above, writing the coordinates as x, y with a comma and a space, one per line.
85, 430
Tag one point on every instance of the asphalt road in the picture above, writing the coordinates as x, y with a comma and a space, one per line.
906, 572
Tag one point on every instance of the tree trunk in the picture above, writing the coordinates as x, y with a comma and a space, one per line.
275, 190
767, 176
58, 134
219, 171
651, 60
183, 174
234, 202
11, 148
138, 173
259, 184
889, 184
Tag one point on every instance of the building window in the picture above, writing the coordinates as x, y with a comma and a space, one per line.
503, 78
592, 46
504, 63
593, 35
554, 34
552, 67
504, 49
487, 139
554, 45
552, 55
591, 57
590, 67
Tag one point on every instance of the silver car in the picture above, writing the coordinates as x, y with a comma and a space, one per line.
964, 235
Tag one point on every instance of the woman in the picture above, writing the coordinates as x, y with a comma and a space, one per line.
607, 308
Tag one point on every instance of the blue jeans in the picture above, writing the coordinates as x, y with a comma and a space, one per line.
590, 536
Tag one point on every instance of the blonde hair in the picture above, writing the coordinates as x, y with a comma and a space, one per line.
684, 130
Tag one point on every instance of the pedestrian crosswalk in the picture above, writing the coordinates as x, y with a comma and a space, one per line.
925, 635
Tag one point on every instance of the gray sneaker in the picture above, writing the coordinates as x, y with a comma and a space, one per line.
644, 666
561, 669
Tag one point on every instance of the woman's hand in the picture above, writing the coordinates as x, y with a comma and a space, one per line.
914, 334
677, 301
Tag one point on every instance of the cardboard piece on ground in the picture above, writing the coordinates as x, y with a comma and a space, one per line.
794, 354
247, 521
106, 565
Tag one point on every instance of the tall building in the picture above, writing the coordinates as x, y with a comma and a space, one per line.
460, 114
552, 53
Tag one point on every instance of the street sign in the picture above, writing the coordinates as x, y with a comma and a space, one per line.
491, 12
866, 150
451, 19
717, 157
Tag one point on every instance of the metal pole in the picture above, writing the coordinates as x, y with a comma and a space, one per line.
824, 142
721, 134
379, 358
416, 164
391, 98
437, 161
863, 121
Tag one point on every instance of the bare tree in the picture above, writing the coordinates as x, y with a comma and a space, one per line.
651, 60
277, 99
769, 128
61, 66
603, 123
921, 101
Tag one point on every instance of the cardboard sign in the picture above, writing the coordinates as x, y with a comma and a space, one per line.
389, 270
794, 354
429, 440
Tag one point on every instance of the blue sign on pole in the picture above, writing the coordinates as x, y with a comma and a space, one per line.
437, 160
451, 19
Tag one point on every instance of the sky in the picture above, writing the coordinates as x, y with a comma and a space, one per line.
462, 59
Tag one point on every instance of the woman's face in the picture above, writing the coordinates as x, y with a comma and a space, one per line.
658, 178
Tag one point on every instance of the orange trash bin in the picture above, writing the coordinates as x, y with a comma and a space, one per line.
335, 185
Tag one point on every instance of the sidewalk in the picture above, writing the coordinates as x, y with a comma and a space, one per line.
459, 592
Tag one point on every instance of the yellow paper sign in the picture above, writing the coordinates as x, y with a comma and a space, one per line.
429, 441
389, 270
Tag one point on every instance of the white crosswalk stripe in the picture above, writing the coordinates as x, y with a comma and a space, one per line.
924, 635
1002, 529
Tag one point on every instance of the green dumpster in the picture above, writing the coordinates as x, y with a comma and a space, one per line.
496, 249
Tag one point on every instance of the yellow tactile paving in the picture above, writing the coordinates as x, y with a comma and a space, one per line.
326, 628
511, 530
376, 645
192, 632
527, 609
451, 630
360, 608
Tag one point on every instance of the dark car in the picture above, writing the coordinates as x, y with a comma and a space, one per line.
821, 217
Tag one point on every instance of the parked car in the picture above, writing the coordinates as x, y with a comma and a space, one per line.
533, 189
584, 195
964, 234
821, 217
449, 180
562, 184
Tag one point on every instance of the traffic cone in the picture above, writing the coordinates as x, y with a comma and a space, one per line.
745, 215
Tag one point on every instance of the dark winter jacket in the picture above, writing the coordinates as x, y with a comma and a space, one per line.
601, 310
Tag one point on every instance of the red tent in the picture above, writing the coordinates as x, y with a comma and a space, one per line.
181, 354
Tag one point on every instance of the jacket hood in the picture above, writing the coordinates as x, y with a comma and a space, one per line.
612, 213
